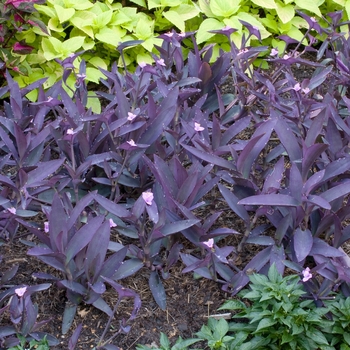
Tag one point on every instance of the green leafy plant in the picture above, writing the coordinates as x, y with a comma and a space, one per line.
277, 317
180, 344
33, 344
216, 334
339, 333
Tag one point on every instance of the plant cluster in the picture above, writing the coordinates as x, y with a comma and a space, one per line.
63, 27
166, 139
279, 315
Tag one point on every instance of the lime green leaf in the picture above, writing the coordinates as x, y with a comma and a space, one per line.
78, 4
224, 8
174, 18
119, 18
285, 13
309, 5
187, 11
269, 4
205, 8
98, 62
347, 8
50, 47
102, 19
144, 29
93, 102
64, 14
72, 45
93, 74
296, 34
55, 25
270, 23
141, 3
110, 36
208, 24
46, 10
144, 57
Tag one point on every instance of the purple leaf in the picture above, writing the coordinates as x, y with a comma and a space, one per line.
232, 201
97, 250
277, 257
157, 289
164, 115
303, 241
313, 182
289, 141
250, 153
83, 237
128, 268
260, 240
319, 201
270, 200
42, 171
210, 158
323, 249
73, 340
178, 226
274, 178
336, 192
310, 156
113, 208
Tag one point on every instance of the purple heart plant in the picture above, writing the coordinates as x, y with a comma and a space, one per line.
127, 189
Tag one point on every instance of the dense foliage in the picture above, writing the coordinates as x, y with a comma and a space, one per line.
274, 150
35, 42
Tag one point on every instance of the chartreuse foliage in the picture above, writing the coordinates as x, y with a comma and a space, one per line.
98, 27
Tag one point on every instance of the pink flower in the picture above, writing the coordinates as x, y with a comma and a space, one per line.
306, 90
142, 64
307, 275
148, 197
20, 291
70, 132
46, 227
274, 52
286, 57
226, 28
169, 34
209, 243
297, 87
131, 116
112, 223
12, 210
198, 127
161, 62
131, 143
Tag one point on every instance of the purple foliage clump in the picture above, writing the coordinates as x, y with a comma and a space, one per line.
164, 148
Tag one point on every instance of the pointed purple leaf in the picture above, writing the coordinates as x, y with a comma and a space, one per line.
270, 200
303, 241
83, 237
157, 289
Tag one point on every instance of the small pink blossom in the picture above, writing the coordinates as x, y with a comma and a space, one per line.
161, 62
198, 127
142, 64
286, 57
20, 291
306, 274
112, 223
148, 197
313, 19
131, 143
46, 227
226, 28
306, 90
169, 34
131, 116
274, 52
49, 99
297, 87
12, 210
70, 132
182, 35
240, 52
209, 243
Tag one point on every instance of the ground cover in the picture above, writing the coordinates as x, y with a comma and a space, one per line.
193, 177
